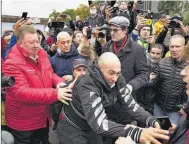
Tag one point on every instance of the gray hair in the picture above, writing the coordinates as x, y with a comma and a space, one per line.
24, 30
180, 37
61, 34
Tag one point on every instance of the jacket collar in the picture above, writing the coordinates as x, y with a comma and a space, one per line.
126, 49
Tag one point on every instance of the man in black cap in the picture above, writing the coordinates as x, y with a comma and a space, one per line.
131, 55
79, 68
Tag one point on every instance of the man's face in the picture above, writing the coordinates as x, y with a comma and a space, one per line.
78, 38
176, 48
78, 71
7, 39
156, 53
117, 33
185, 74
65, 43
93, 10
123, 6
111, 72
30, 44
145, 32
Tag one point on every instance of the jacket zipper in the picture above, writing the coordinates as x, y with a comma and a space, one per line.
167, 95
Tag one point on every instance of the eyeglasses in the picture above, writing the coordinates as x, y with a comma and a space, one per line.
114, 30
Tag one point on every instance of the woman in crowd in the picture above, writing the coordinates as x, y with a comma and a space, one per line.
77, 37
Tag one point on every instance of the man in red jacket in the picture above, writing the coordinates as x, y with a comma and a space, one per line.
28, 101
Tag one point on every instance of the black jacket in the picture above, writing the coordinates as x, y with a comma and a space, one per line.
146, 94
171, 88
98, 20
134, 66
93, 102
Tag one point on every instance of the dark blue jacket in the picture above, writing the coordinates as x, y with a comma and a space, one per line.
62, 62
13, 41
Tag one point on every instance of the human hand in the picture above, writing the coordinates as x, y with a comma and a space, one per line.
61, 85
18, 24
156, 125
54, 47
67, 78
172, 129
151, 39
181, 111
141, 21
182, 28
68, 17
108, 11
64, 95
152, 134
72, 84
167, 22
152, 75
124, 140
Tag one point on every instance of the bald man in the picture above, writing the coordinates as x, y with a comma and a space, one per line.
94, 96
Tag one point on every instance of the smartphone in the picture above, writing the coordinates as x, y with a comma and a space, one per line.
164, 122
24, 15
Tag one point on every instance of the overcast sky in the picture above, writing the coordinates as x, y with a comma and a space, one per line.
38, 8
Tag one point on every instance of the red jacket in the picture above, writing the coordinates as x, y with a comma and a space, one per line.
28, 101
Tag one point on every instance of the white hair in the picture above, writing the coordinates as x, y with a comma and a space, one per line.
62, 34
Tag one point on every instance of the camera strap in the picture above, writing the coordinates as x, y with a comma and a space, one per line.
116, 50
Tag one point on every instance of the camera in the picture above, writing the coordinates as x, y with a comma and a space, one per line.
103, 31
114, 7
174, 22
56, 27
80, 25
6, 81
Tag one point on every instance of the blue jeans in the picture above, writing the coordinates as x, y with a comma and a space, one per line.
173, 116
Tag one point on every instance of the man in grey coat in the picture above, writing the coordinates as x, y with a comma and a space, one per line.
133, 60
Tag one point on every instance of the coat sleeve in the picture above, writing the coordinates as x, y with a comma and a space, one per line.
22, 92
96, 116
134, 36
13, 41
134, 110
141, 70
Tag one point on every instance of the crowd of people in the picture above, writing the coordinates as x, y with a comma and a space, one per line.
104, 80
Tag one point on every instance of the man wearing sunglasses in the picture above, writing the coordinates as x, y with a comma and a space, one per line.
131, 55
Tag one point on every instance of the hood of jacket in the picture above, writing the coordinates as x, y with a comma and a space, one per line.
73, 52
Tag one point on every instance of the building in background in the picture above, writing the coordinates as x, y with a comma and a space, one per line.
7, 23
148, 5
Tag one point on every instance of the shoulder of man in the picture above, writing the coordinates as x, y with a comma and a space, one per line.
106, 46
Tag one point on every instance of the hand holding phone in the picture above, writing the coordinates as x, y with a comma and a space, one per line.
24, 15
164, 122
